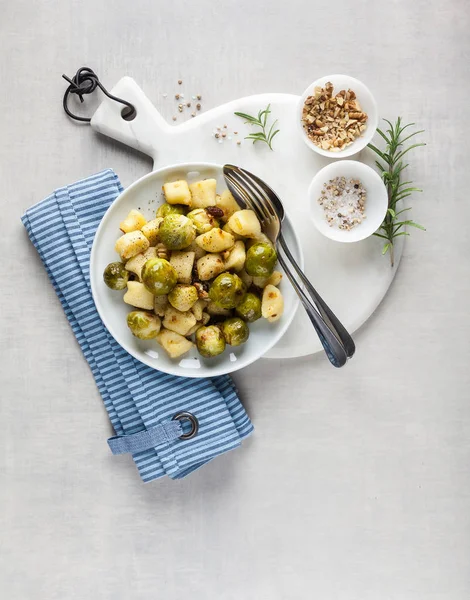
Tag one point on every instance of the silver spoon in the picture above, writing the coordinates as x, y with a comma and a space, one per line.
252, 192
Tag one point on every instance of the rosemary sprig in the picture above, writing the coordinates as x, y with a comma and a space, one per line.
391, 166
261, 120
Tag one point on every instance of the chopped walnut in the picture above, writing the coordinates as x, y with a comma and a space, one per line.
202, 289
162, 252
333, 122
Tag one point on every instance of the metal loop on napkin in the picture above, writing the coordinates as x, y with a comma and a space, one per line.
159, 434
187, 416
85, 81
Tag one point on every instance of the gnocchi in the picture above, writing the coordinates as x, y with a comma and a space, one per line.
133, 222
272, 304
202, 267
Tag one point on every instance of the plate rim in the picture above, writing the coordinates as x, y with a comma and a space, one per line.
189, 166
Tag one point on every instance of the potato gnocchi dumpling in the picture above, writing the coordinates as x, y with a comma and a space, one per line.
235, 257
203, 193
182, 262
228, 204
135, 264
180, 322
133, 222
215, 240
130, 244
175, 344
150, 230
245, 223
138, 295
209, 266
272, 304
177, 192
198, 273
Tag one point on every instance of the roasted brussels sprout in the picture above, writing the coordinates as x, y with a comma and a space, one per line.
210, 341
158, 276
144, 325
227, 290
235, 331
249, 308
171, 209
115, 276
261, 259
202, 220
177, 232
183, 297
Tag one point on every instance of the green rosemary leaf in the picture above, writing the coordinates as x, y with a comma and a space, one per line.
260, 121
417, 225
271, 135
381, 167
248, 118
255, 136
401, 154
377, 151
265, 114
401, 197
404, 127
274, 133
391, 130
403, 210
390, 168
411, 135
380, 132
271, 138
400, 168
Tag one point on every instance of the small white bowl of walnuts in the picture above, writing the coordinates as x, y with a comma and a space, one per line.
338, 116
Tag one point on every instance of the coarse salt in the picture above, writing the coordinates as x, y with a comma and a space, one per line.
344, 202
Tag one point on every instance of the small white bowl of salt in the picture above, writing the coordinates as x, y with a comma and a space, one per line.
348, 201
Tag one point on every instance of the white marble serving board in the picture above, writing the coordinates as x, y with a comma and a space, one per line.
352, 278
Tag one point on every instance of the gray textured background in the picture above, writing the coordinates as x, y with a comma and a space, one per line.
356, 484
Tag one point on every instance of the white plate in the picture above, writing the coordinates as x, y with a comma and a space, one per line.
145, 195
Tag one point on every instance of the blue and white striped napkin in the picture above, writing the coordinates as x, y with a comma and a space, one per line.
137, 398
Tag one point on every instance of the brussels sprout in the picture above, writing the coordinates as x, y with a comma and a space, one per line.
183, 297
235, 331
158, 276
171, 209
227, 290
210, 341
202, 220
144, 325
177, 232
115, 276
261, 259
249, 308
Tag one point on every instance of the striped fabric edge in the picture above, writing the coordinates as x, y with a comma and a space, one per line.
224, 420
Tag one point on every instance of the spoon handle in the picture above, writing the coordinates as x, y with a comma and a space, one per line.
323, 308
333, 348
